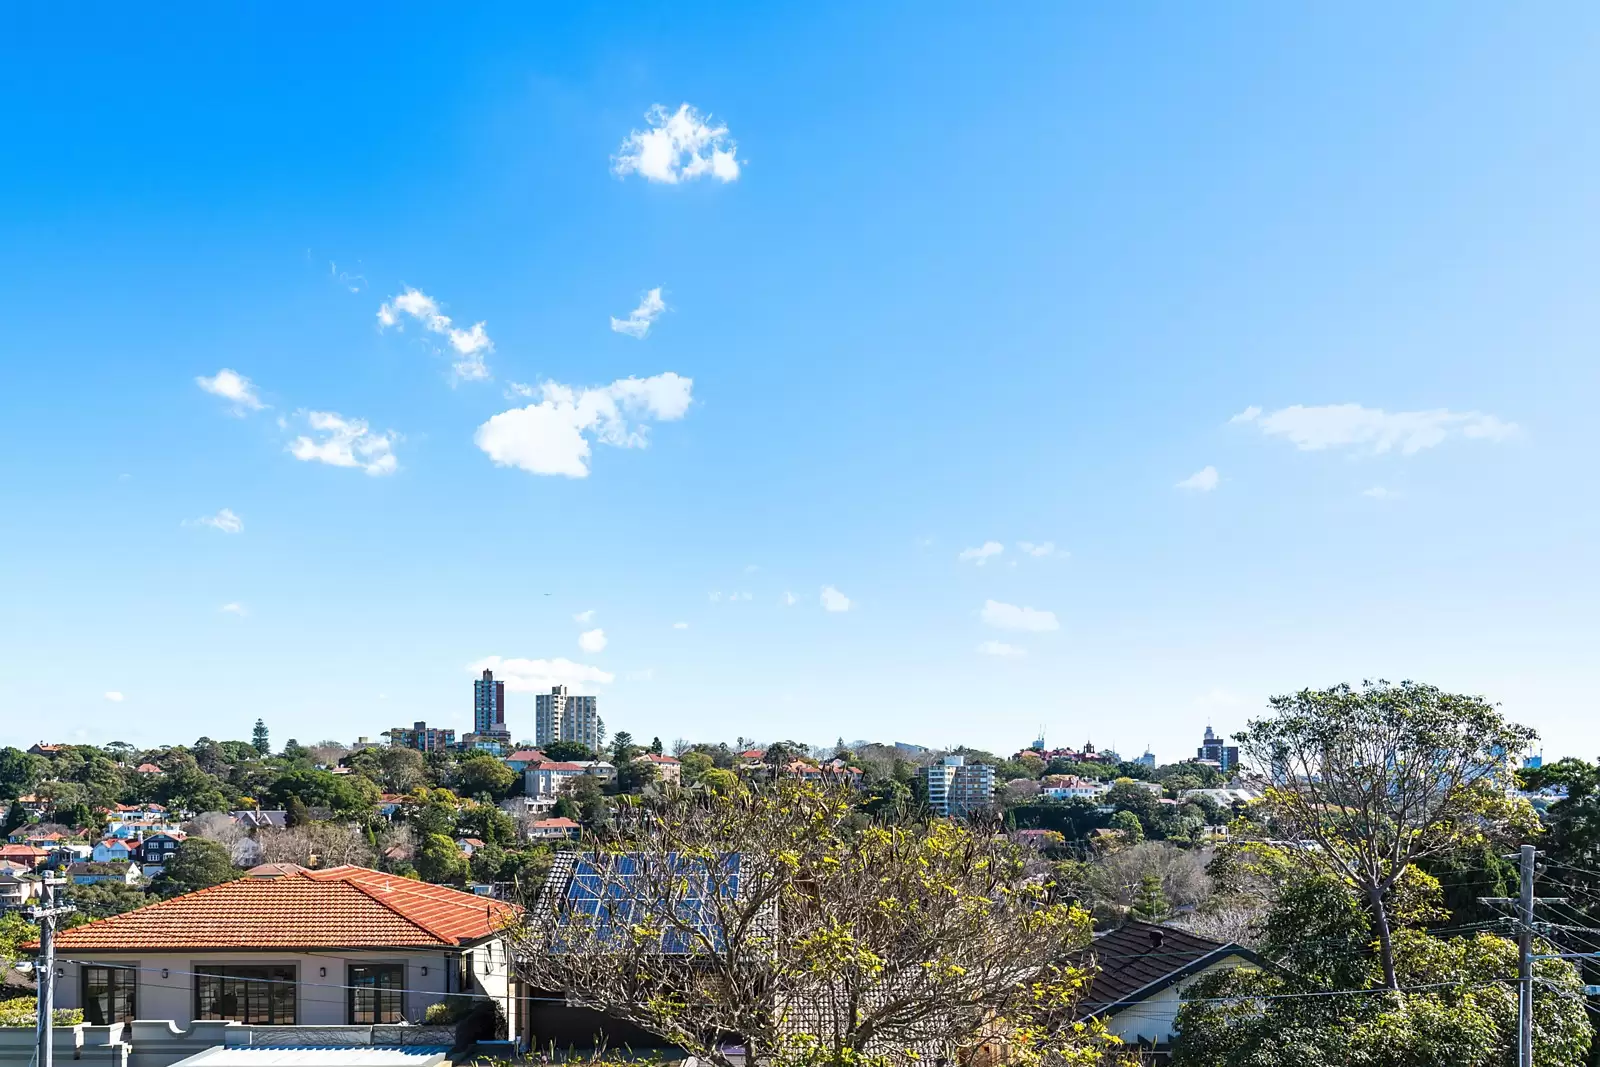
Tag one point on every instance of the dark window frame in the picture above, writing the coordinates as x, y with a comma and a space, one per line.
124, 982
387, 992
251, 987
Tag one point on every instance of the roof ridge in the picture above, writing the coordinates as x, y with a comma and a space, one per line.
379, 897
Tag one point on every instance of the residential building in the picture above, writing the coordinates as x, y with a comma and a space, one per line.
154, 851
1216, 750
468, 845
1141, 972
561, 716
95, 873
494, 744
256, 819
669, 771
1070, 786
343, 946
17, 889
518, 761
489, 708
422, 737
548, 778
1225, 797
958, 788
1148, 759
42, 749
113, 850
547, 829
149, 769
23, 856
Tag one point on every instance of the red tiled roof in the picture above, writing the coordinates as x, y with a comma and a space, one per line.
148, 768
560, 823
342, 907
526, 755
653, 758
555, 767
28, 851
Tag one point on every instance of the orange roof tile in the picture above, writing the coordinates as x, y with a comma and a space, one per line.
342, 907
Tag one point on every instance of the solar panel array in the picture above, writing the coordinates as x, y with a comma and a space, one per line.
676, 894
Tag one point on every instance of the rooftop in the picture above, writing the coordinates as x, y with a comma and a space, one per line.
1138, 959
342, 907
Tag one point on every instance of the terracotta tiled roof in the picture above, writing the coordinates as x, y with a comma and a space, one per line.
21, 851
527, 755
555, 767
654, 758
342, 907
560, 822
148, 768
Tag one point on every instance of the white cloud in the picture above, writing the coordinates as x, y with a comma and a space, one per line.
833, 600
1000, 648
637, 324
551, 437
1039, 549
1011, 617
540, 675
233, 608
790, 600
114, 696
1378, 492
981, 554
592, 640
224, 520
1201, 481
679, 146
583, 616
1373, 430
470, 345
680, 626
231, 385
346, 443
751, 568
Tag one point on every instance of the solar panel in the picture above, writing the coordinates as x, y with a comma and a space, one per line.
675, 893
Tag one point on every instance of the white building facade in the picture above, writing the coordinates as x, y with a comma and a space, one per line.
561, 716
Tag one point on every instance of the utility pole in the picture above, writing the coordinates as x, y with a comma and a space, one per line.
1524, 963
45, 969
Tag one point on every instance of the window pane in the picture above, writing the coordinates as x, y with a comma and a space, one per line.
377, 993
263, 995
108, 995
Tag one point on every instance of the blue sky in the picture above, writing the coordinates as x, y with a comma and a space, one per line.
947, 277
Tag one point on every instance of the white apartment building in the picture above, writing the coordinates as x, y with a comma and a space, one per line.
560, 716
956, 788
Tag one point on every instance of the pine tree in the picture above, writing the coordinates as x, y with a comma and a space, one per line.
1150, 900
259, 740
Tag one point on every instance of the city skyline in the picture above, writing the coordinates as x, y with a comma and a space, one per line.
796, 372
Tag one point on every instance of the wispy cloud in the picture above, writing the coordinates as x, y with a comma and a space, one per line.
234, 387
224, 520
470, 345
790, 600
342, 442
114, 696
1037, 550
552, 436
233, 608
1373, 430
1378, 492
981, 554
1004, 616
640, 319
592, 640
677, 146
539, 675
1000, 648
680, 626
833, 600
1201, 481
583, 616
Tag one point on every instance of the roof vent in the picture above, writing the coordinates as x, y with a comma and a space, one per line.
1156, 937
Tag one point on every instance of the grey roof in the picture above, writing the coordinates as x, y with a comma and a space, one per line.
318, 1056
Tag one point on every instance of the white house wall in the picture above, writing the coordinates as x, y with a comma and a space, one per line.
1155, 1018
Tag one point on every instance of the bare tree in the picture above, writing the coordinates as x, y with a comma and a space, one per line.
762, 915
315, 844
1381, 777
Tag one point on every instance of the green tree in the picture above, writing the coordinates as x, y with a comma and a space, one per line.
481, 774
440, 861
1150, 900
1383, 777
633, 776
693, 764
720, 781
655, 746
199, 863
622, 747
1128, 825
295, 752
15, 817
104, 898
568, 751
590, 803
1454, 1007
296, 813
259, 739
484, 864
19, 772
487, 823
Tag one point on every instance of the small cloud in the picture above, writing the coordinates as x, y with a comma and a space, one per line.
1378, 492
233, 608
679, 146
552, 436
583, 616
1373, 430
592, 640
470, 345
1201, 481
833, 600
1011, 617
224, 520
790, 600
1000, 648
680, 626
1037, 550
981, 554
637, 324
352, 282
114, 696
231, 385
346, 443
540, 675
